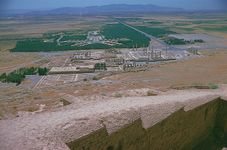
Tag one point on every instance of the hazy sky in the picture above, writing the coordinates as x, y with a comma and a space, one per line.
49, 4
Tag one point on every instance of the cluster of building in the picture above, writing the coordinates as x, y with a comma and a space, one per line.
82, 55
94, 37
139, 58
124, 60
114, 61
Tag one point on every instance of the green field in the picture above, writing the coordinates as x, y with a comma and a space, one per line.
155, 22
49, 43
120, 31
115, 34
155, 31
217, 29
126, 37
41, 46
74, 37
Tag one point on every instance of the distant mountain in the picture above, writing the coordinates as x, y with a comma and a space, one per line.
13, 12
102, 10
109, 9
94, 10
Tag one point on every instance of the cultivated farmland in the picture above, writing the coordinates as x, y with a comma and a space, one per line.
155, 31
126, 36
112, 36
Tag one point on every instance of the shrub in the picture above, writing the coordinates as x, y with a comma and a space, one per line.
213, 86
65, 102
151, 93
42, 71
118, 95
209, 86
95, 78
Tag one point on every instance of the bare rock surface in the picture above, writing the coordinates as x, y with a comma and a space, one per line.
51, 130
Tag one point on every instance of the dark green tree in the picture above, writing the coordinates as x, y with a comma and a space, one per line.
42, 71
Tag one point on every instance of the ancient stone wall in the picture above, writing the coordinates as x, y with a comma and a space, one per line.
182, 130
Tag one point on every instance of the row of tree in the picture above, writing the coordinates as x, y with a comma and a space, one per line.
17, 76
176, 41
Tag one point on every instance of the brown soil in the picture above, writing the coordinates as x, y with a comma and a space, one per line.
211, 68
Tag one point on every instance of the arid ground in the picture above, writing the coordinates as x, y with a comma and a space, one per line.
208, 69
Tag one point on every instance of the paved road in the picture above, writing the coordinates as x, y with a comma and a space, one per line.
161, 43
147, 35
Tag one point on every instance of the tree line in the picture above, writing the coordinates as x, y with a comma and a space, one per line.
17, 76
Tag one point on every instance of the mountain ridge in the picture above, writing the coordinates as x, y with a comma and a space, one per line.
116, 8
109, 9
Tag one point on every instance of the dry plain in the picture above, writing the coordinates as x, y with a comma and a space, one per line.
209, 68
